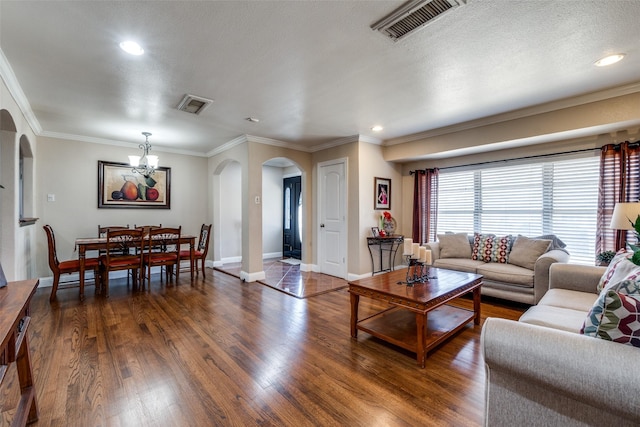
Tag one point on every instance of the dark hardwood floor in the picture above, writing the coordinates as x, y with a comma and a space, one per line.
223, 352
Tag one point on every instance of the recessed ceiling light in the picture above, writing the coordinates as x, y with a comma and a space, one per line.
608, 60
131, 47
377, 128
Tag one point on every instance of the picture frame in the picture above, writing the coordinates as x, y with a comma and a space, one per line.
375, 231
381, 193
114, 178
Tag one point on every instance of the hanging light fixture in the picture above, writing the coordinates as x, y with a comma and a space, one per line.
147, 164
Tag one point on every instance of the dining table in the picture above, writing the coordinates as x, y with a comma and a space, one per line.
84, 244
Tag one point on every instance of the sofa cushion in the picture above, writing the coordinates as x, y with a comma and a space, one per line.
565, 298
454, 245
620, 268
490, 248
460, 264
507, 273
526, 251
614, 317
549, 316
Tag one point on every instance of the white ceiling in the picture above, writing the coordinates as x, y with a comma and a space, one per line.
312, 72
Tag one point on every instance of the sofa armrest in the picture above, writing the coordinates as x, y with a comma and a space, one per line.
556, 377
435, 250
583, 278
541, 271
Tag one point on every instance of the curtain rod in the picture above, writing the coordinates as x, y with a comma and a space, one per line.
517, 158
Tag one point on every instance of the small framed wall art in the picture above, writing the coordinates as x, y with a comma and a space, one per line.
120, 187
381, 193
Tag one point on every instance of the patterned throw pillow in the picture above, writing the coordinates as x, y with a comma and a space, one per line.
501, 249
489, 248
482, 247
620, 268
614, 317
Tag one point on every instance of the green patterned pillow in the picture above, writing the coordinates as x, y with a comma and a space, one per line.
620, 268
615, 316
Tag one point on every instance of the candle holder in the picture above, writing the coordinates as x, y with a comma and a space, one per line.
417, 271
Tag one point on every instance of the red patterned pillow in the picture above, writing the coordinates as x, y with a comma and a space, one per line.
489, 248
482, 247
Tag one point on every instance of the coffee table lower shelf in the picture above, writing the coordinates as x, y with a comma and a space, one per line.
398, 326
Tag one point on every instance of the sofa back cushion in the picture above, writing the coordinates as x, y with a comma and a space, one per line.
454, 245
525, 251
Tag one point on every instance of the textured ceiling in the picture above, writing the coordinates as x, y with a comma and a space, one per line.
312, 72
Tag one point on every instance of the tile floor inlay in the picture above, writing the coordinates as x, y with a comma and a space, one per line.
289, 279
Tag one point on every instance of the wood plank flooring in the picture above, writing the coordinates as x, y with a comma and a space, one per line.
220, 352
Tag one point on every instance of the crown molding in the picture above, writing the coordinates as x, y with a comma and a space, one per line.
11, 81
521, 113
103, 141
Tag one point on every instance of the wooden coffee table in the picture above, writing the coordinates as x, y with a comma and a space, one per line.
419, 317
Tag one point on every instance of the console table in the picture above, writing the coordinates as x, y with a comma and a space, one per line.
14, 322
387, 248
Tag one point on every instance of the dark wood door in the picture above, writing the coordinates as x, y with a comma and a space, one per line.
291, 235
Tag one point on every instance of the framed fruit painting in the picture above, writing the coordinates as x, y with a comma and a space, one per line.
120, 187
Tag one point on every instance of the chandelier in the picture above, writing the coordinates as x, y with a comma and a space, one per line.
145, 165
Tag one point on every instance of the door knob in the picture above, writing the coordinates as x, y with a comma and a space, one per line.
321, 225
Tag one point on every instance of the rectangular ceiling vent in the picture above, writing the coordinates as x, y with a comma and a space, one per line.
194, 104
413, 15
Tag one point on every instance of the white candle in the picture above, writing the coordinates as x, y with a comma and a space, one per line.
423, 254
415, 252
428, 260
408, 249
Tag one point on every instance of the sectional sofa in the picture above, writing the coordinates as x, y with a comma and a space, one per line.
542, 371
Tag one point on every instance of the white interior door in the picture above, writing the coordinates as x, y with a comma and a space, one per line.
332, 219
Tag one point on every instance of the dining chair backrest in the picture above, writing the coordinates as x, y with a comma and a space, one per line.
162, 248
123, 242
102, 230
145, 228
203, 242
51, 241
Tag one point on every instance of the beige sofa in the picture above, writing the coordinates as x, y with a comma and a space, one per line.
525, 281
542, 372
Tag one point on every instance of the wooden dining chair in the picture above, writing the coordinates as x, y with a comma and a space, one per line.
124, 253
200, 253
168, 240
69, 266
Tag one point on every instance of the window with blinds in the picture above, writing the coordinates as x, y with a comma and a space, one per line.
552, 197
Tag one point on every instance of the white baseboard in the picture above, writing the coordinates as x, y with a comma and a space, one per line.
252, 277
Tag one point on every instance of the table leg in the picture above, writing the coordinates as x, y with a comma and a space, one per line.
81, 257
192, 251
355, 299
476, 305
421, 346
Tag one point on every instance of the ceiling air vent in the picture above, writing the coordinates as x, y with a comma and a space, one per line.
194, 104
413, 15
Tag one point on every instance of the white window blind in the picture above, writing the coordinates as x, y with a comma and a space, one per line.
552, 197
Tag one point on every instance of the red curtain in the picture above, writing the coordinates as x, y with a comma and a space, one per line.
619, 182
425, 206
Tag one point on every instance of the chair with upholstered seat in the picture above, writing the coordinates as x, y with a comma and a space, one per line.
168, 240
200, 253
124, 253
69, 266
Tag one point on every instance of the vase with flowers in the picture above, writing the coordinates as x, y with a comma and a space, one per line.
387, 223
